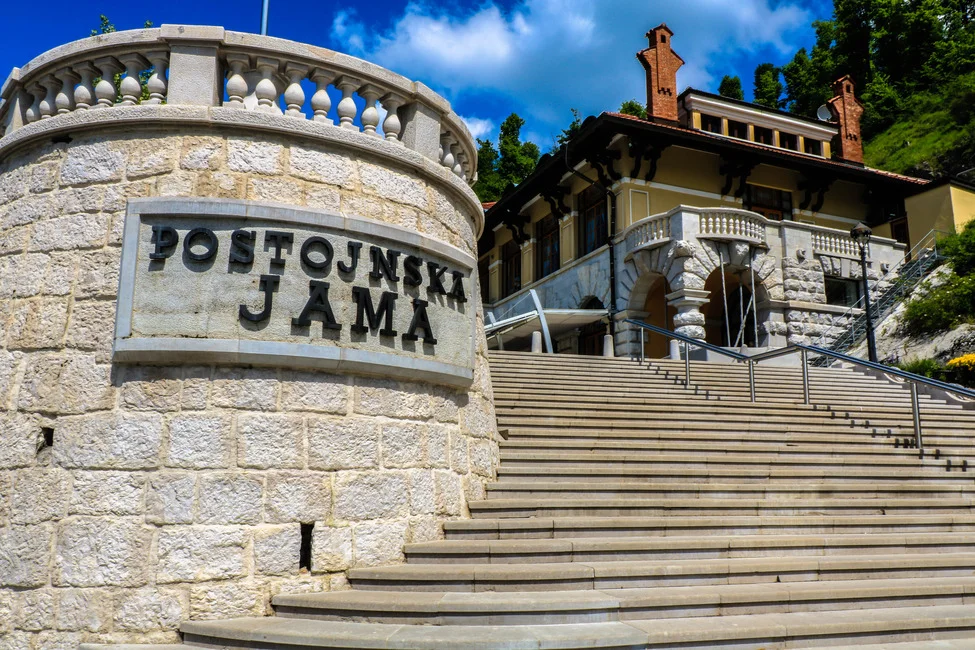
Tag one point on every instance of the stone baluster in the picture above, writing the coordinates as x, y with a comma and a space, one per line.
392, 125
457, 168
266, 90
447, 155
462, 163
347, 109
321, 103
370, 114
65, 97
236, 84
33, 113
48, 105
105, 89
84, 92
156, 84
294, 96
131, 85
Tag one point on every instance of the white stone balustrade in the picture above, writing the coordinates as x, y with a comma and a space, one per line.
215, 68
835, 243
735, 225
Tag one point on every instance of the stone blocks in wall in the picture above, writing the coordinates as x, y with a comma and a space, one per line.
178, 492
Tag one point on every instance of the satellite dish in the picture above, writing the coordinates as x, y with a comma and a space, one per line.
824, 113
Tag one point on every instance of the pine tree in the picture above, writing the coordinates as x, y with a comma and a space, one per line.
731, 87
768, 87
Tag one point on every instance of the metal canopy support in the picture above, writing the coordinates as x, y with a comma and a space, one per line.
544, 323
724, 294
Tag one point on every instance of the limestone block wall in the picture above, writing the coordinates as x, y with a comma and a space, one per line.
132, 497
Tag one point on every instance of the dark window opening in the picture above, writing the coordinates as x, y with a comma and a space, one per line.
842, 292
789, 141
510, 268
547, 231
814, 147
764, 136
593, 227
737, 129
768, 202
710, 123
304, 553
47, 439
663, 38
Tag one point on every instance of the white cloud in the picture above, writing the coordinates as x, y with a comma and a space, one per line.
479, 128
549, 55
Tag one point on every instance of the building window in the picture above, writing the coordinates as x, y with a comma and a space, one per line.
510, 268
593, 230
711, 123
789, 141
842, 292
764, 136
814, 147
737, 129
768, 202
484, 278
547, 236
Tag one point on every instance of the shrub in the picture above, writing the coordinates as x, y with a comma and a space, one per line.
963, 369
960, 250
925, 367
949, 305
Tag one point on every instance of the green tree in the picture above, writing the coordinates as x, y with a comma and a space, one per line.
509, 164
634, 108
768, 86
731, 87
568, 133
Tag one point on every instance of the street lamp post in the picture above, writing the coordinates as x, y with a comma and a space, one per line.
861, 235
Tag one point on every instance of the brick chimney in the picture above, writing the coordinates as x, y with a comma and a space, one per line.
661, 64
847, 110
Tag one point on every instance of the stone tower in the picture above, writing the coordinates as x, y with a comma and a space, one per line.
661, 64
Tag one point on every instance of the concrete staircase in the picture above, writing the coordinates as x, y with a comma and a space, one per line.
631, 511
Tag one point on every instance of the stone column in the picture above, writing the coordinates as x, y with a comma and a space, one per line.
494, 281
194, 70
689, 320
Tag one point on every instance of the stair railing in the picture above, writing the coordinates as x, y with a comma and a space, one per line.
928, 242
804, 351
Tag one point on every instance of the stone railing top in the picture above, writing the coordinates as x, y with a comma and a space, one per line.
195, 65
700, 210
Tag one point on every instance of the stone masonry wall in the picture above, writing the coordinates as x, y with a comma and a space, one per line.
133, 497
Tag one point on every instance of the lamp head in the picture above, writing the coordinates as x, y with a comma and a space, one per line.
861, 234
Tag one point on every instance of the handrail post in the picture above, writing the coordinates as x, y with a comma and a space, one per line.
751, 379
916, 409
805, 377
687, 365
642, 345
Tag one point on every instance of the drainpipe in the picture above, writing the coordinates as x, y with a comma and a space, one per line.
612, 239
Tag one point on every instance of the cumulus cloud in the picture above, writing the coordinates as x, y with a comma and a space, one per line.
479, 127
548, 55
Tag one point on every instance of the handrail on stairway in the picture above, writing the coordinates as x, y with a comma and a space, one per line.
805, 351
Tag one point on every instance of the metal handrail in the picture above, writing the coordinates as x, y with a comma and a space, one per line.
805, 351
909, 256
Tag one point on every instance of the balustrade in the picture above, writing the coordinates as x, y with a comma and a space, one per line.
255, 74
732, 224
835, 243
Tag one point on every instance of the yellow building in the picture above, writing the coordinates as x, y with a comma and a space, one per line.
729, 223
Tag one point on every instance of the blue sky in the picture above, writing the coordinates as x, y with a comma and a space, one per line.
539, 58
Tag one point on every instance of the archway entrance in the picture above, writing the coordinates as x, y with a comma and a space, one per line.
728, 322
660, 314
591, 335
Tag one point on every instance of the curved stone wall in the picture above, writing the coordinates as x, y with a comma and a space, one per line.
132, 496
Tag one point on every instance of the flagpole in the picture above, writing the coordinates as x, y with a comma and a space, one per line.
264, 19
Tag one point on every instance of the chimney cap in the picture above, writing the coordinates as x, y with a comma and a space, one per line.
658, 28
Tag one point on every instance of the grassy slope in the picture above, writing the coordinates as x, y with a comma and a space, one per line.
912, 141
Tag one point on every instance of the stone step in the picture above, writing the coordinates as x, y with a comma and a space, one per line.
902, 458
560, 576
737, 474
280, 633
628, 549
647, 507
756, 426
866, 447
560, 607
577, 527
688, 489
